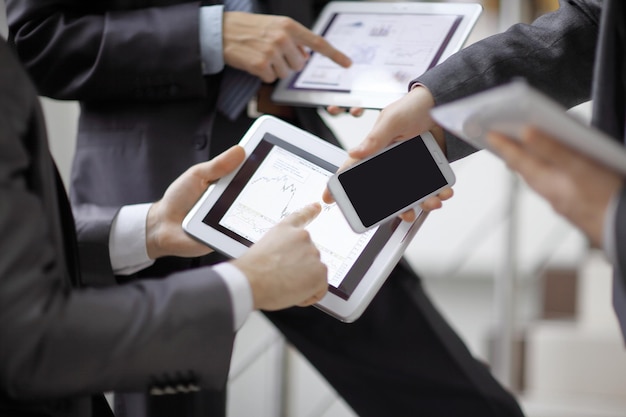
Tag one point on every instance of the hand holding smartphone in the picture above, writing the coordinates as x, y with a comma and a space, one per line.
391, 182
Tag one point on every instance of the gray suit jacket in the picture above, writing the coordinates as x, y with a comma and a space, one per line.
557, 55
62, 344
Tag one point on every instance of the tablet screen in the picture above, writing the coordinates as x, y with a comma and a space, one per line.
387, 51
279, 178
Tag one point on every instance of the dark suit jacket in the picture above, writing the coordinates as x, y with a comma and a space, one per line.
557, 55
60, 345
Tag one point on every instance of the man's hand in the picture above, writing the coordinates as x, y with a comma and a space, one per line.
270, 47
577, 188
284, 267
164, 233
401, 120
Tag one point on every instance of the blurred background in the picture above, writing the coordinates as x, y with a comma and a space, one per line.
516, 281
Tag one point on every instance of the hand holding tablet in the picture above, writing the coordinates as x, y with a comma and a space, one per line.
286, 169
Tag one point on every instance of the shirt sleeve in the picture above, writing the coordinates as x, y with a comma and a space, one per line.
240, 292
211, 39
127, 240
127, 246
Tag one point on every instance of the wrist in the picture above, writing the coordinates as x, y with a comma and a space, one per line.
153, 239
426, 102
256, 285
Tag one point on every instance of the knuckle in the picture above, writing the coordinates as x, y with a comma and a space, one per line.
317, 42
281, 38
285, 23
267, 51
268, 78
262, 61
195, 170
303, 235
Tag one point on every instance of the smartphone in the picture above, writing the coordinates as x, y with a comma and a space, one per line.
396, 179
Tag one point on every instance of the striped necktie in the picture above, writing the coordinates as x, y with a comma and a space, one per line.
237, 87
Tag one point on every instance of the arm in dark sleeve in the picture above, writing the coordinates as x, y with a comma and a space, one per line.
619, 264
620, 236
67, 342
59, 341
77, 50
71, 342
93, 227
555, 54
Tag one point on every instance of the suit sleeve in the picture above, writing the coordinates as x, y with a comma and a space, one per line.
135, 54
58, 341
555, 54
93, 227
620, 237
70, 342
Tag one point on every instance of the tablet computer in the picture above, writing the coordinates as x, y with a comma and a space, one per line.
286, 168
510, 108
389, 44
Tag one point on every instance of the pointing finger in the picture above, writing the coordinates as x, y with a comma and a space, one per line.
305, 215
319, 44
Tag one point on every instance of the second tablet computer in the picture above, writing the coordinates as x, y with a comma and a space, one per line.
390, 43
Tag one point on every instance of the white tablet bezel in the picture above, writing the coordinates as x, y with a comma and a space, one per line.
512, 107
468, 14
381, 259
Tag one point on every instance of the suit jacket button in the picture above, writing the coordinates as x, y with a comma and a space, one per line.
200, 141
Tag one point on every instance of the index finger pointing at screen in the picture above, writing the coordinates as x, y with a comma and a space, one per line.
305, 215
319, 44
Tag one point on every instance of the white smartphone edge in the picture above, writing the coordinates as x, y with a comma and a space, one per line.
336, 189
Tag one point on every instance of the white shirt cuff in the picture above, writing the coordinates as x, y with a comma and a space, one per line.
608, 234
211, 39
240, 292
127, 241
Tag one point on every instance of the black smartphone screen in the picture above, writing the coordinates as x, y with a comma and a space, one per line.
392, 180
